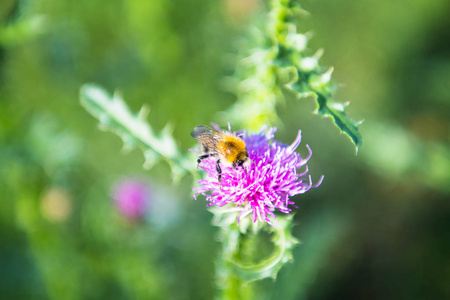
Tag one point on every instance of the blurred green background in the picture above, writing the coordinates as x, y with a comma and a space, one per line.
377, 228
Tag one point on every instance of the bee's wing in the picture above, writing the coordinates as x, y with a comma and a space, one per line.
201, 132
206, 136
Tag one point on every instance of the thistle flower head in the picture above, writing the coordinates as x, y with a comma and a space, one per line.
275, 174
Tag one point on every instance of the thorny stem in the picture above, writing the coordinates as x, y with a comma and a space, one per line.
236, 268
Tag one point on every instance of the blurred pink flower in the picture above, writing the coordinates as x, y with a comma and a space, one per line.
131, 198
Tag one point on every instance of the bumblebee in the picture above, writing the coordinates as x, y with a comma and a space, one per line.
227, 147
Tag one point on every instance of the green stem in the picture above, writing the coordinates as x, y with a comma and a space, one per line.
230, 285
243, 258
281, 64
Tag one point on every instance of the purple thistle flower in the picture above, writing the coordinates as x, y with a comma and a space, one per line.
131, 198
266, 185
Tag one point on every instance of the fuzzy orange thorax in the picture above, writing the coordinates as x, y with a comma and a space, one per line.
231, 148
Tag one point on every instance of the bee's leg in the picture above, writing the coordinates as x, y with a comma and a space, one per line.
234, 166
219, 171
201, 157
204, 156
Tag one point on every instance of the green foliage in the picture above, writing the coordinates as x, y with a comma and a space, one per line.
21, 31
280, 64
237, 266
283, 242
172, 54
311, 79
114, 115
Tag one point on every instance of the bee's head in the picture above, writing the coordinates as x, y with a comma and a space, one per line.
244, 161
246, 164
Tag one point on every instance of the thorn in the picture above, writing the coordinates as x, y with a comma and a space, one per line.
301, 11
305, 95
150, 158
356, 148
168, 129
326, 77
126, 148
103, 118
128, 144
143, 113
117, 96
309, 34
102, 127
318, 54
292, 28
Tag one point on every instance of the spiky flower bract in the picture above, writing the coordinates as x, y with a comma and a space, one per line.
276, 174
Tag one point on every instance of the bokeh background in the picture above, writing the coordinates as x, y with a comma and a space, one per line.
377, 228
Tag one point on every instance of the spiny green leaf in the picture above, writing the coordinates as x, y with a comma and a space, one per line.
311, 80
336, 111
114, 115
281, 61
326, 107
